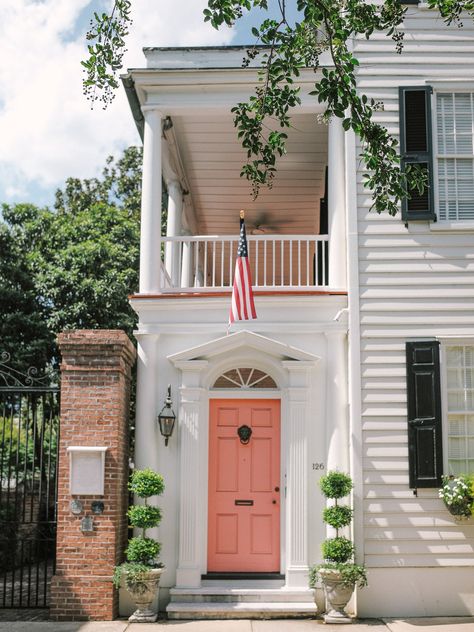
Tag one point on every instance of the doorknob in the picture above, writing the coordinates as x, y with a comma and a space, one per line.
277, 489
274, 502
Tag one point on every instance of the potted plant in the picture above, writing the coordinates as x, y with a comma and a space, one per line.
141, 572
457, 494
339, 574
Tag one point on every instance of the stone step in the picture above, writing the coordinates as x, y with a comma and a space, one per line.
207, 594
241, 610
247, 583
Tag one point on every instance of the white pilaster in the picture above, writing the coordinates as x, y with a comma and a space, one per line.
146, 430
336, 206
297, 475
173, 229
191, 494
337, 432
150, 230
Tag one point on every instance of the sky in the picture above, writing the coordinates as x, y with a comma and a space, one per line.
48, 131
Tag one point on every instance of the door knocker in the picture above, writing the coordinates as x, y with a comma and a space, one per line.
244, 432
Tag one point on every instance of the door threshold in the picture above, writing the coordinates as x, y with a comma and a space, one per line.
242, 576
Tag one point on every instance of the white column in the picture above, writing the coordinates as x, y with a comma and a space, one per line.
147, 433
191, 493
336, 206
297, 475
173, 229
150, 231
337, 422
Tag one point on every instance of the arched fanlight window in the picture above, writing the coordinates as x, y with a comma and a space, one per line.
245, 378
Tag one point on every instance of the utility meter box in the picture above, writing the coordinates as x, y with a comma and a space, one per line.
86, 470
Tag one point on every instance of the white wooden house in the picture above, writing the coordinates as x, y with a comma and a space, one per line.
345, 300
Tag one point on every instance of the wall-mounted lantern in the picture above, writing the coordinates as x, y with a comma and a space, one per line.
166, 418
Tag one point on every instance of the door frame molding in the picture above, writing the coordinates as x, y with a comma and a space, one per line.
292, 375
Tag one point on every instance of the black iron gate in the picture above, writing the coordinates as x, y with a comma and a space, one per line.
29, 436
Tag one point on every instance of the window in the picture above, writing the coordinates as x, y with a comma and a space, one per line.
460, 408
245, 378
455, 155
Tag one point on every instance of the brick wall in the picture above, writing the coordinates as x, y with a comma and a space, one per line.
95, 394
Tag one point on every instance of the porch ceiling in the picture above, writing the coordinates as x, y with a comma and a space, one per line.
212, 159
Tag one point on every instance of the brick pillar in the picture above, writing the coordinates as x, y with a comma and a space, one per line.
95, 394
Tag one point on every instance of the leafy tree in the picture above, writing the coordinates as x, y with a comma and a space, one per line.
24, 333
74, 266
322, 26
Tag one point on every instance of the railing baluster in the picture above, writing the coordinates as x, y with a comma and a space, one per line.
323, 263
299, 262
282, 262
256, 263
273, 253
265, 263
205, 264
222, 262
196, 264
307, 265
213, 264
291, 263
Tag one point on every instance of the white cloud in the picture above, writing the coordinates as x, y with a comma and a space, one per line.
47, 129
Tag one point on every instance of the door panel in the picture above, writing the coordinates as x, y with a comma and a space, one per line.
246, 536
227, 474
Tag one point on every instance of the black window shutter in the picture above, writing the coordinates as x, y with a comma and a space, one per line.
425, 450
416, 147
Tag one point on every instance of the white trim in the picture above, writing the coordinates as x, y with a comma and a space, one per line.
444, 402
241, 393
449, 227
227, 344
446, 225
293, 379
220, 328
453, 85
434, 145
353, 350
447, 341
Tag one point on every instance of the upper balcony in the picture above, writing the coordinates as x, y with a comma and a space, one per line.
278, 263
296, 231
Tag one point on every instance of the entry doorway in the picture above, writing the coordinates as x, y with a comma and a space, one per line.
244, 486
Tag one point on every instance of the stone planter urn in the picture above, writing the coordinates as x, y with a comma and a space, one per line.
143, 593
337, 594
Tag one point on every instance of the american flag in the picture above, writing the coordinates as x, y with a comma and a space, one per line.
242, 307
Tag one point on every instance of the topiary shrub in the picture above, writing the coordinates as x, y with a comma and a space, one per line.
338, 549
338, 516
338, 552
142, 552
336, 485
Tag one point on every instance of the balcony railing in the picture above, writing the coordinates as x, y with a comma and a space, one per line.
278, 262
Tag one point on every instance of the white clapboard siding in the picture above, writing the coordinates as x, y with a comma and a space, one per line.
414, 281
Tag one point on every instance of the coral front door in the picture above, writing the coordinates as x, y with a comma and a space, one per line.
244, 485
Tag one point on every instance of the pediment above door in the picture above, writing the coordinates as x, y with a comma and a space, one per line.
243, 340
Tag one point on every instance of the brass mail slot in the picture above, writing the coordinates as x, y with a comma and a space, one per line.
247, 503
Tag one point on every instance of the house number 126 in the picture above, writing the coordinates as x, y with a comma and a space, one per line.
318, 466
